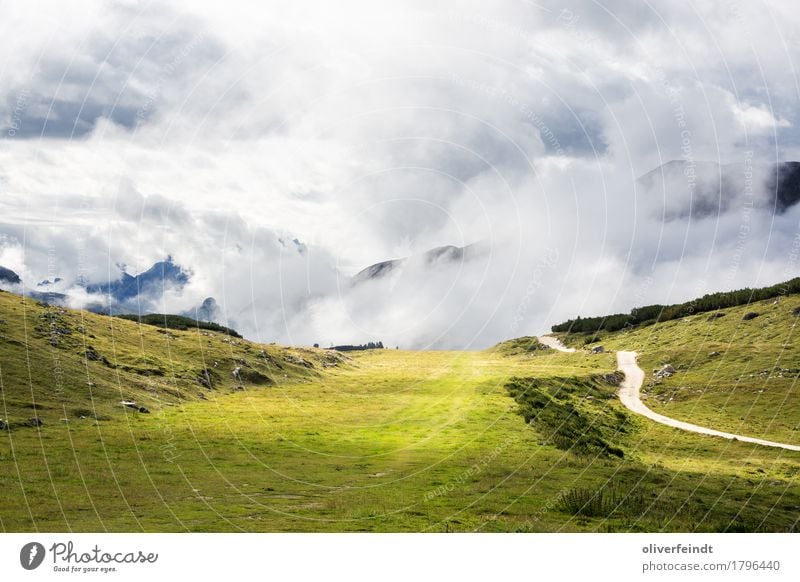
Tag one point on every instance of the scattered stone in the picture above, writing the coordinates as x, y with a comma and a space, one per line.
750, 315
614, 378
665, 371
93, 355
134, 406
298, 361
205, 379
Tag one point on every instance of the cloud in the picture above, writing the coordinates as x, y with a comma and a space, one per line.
218, 134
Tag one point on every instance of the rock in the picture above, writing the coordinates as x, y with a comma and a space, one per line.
614, 378
237, 373
749, 315
598, 350
298, 361
144, 410
713, 354
714, 316
4, 425
796, 311
665, 371
35, 421
205, 379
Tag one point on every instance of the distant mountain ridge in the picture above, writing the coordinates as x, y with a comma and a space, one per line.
8, 276
713, 188
121, 296
447, 254
161, 274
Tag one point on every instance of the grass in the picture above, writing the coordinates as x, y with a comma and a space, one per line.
385, 440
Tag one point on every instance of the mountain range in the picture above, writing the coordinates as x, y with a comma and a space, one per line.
444, 255
701, 189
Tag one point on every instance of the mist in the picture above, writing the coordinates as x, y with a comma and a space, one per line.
275, 155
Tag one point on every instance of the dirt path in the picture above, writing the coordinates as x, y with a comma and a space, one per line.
630, 397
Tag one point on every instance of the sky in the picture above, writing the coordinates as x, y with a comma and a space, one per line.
275, 149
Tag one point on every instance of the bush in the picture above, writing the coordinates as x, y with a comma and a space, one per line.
570, 413
603, 502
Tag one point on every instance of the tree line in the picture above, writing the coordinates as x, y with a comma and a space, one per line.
653, 313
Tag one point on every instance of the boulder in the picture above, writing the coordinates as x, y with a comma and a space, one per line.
35, 421
665, 371
749, 315
598, 350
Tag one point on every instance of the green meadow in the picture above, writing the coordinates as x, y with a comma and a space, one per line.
219, 434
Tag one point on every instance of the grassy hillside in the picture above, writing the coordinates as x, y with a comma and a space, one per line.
737, 369
60, 366
510, 439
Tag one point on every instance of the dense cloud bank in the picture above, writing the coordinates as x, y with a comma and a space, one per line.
273, 152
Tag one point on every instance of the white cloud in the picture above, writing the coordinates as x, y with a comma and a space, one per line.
368, 130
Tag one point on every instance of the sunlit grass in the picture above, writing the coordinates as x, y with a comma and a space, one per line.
386, 441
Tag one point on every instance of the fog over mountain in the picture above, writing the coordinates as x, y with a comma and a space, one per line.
600, 159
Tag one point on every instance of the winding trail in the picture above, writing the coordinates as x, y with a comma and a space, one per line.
629, 395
